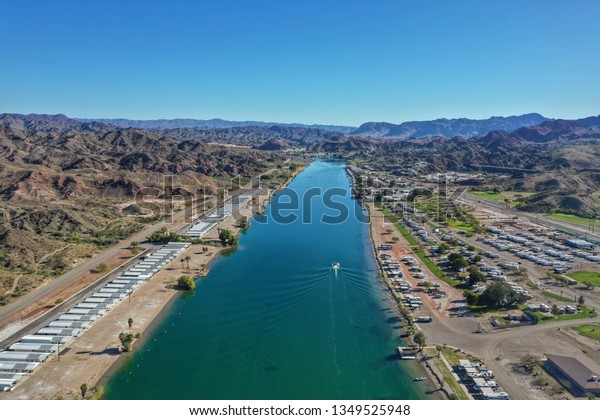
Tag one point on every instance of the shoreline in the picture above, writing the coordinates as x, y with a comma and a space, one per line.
95, 356
427, 368
168, 303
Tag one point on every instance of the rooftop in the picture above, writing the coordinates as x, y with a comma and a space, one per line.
581, 371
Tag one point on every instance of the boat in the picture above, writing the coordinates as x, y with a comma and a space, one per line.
420, 378
335, 265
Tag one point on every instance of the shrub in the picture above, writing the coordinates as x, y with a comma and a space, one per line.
186, 283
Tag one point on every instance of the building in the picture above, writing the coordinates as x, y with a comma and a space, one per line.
581, 372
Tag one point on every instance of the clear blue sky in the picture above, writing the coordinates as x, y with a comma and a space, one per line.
325, 61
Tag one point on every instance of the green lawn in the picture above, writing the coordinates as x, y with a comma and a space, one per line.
586, 276
557, 297
571, 218
596, 194
461, 226
437, 271
585, 313
488, 195
590, 331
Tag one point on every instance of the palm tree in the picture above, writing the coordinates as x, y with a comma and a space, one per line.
182, 261
187, 260
130, 323
84, 389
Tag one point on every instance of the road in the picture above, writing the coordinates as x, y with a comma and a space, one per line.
531, 217
178, 221
498, 349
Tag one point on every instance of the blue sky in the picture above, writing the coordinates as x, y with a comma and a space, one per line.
326, 61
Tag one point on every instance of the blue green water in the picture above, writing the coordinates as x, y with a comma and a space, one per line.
275, 321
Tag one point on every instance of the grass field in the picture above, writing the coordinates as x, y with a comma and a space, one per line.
570, 218
488, 195
586, 276
467, 227
590, 331
585, 313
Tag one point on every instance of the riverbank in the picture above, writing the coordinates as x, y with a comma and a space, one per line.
379, 236
96, 355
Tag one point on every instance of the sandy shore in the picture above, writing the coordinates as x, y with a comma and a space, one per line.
94, 356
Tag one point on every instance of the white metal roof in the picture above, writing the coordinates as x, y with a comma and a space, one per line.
46, 339
17, 356
35, 347
18, 366
59, 331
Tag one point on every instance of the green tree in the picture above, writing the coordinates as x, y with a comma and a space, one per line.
554, 310
84, 389
439, 349
130, 323
500, 294
457, 261
187, 260
186, 283
126, 340
164, 236
581, 300
471, 297
476, 276
443, 248
420, 339
590, 396
227, 237
135, 247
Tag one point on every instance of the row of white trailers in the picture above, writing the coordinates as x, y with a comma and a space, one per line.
26, 355
202, 227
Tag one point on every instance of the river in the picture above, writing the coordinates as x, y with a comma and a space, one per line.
274, 320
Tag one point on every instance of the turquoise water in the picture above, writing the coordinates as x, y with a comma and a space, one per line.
275, 321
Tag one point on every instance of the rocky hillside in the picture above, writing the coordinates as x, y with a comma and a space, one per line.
66, 185
164, 124
557, 160
462, 127
252, 136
